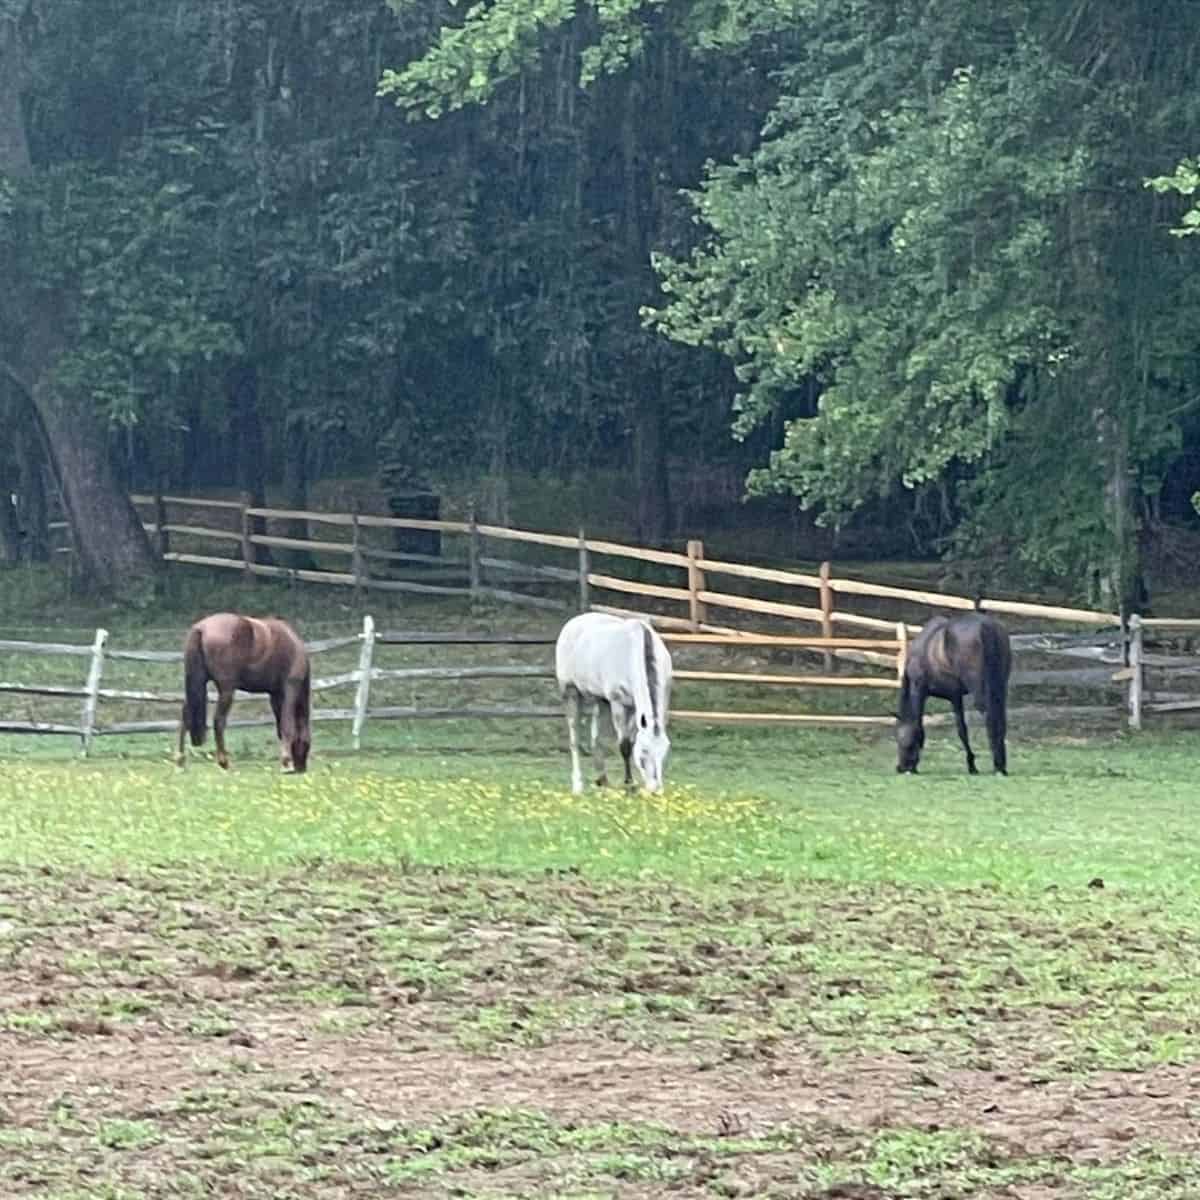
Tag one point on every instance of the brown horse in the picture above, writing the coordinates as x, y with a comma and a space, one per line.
950, 657
256, 655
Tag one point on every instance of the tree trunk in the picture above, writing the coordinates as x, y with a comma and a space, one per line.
10, 530
111, 547
246, 430
295, 482
33, 508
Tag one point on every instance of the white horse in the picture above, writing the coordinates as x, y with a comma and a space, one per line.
601, 659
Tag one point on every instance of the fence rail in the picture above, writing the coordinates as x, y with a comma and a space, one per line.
1110, 671
368, 671
688, 597
691, 593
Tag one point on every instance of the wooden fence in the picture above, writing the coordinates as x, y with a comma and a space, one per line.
368, 671
689, 599
688, 590
1142, 667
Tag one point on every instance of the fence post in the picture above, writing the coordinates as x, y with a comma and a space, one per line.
831, 659
92, 688
247, 544
902, 652
1135, 671
357, 566
473, 553
585, 595
696, 613
362, 696
160, 524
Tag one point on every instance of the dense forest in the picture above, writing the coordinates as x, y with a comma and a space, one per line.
919, 269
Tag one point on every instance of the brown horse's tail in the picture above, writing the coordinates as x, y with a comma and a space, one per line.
195, 688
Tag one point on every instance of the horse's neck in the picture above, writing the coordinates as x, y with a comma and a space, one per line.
912, 700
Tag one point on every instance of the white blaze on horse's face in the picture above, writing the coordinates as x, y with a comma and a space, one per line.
650, 750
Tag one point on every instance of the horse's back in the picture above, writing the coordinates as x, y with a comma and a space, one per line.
961, 654
253, 653
594, 654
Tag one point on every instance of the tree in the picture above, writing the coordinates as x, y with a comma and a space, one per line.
943, 233
36, 315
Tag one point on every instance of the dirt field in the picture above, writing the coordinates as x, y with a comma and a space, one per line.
342, 1033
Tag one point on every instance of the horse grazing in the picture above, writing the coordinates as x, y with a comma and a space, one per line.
601, 659
950, 657
256, 655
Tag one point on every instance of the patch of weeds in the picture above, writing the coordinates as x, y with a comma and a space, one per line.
514, 1023
1150, 1173
210, 1025
120, 1134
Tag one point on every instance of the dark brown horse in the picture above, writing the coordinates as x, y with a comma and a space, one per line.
256, 655
950, 657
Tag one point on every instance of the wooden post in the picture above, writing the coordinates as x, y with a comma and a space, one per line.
473, 554
902, 653
92, 687
585, 595
366, 655
247, 544
696, 614
160, 524
356, 558
831, 660
1135, 671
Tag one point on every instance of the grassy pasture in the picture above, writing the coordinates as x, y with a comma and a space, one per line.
426, 970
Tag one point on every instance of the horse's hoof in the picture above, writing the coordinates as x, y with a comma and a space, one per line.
602, 781
972, 769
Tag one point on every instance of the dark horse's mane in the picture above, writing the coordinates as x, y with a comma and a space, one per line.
651, 674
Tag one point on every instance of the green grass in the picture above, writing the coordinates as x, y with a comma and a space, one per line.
425, 969
798, 804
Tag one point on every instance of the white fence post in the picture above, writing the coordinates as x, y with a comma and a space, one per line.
362, 696
92, 687
1135, 671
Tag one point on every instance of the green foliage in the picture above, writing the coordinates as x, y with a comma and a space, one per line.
468, 62
1186, 182
927, 241
842, 254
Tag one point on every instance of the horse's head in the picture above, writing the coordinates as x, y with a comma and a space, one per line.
910, 740
650, 749
301, 744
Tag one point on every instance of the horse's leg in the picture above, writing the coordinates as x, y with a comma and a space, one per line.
224, 704
283, 729
960, 719
571, 701
598, 747
623, 721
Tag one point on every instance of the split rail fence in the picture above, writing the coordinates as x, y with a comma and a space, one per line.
693, 599
92, 692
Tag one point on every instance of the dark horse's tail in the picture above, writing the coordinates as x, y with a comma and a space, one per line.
997, 662
195, 688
